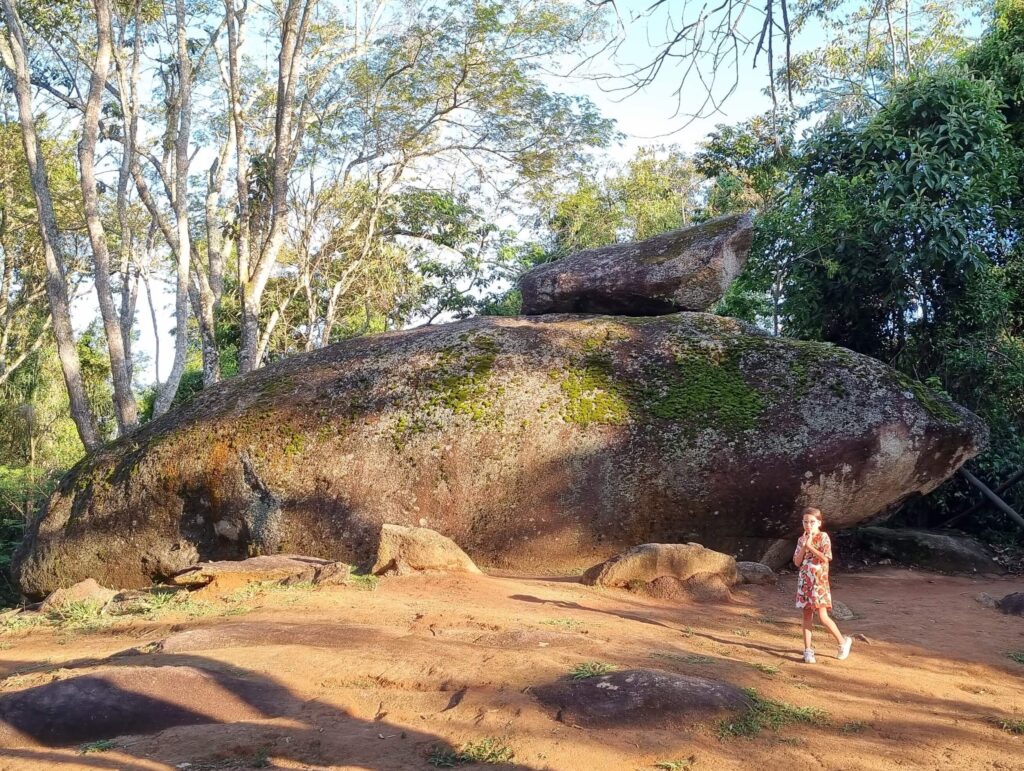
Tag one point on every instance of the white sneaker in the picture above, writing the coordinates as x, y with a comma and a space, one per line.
809, 657
844, 649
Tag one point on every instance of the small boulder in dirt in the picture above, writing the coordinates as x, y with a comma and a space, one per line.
640, 697
986, 600
941, 552
841, 611
651, 561
275, 567
113, 701
756, 573
404, 550
87, 591
1013, 604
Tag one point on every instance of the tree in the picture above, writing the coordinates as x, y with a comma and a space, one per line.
14, 54
870, 48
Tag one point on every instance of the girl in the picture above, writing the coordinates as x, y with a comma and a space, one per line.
813, 553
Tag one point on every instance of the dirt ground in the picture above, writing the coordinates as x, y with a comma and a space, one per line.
380, 679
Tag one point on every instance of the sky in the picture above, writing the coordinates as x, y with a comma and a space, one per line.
645, 118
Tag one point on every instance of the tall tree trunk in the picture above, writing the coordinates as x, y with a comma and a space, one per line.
236, 27
211, 281
183, 234
295, 25
125, 408
15, 57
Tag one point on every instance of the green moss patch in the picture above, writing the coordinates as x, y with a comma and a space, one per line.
592, 393
932, 402
707, 387
460, 382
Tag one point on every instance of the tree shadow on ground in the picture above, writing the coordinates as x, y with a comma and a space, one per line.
315, 732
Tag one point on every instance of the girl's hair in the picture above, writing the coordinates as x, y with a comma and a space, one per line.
816, 513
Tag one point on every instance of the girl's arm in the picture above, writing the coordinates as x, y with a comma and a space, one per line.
817, 553
801, 546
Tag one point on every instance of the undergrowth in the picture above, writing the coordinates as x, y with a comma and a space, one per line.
487, 750
591, 669
765, 713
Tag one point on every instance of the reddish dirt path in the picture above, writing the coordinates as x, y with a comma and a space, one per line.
373, 680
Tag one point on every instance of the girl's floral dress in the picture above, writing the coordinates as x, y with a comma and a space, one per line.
812, 587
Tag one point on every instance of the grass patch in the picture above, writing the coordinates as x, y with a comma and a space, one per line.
103, 745
1011, 726
767, 618
765, 669
1017, 656
484, 751
83, 614
367, 582
741, 632
854, 727
676, 765
568, 624
591, 669
683, 658
259, 760
765, 713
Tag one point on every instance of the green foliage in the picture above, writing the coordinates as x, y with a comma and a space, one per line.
487, 750
676, 765
590, 669
655, 191
103, 745
366, 582
1017, 656
84, 614
767, 714
869, 48
1011, 726
684, 658
890, 221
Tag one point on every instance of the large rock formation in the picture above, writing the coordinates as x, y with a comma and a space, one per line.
684, 270
543, 443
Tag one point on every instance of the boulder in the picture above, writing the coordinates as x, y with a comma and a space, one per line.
114, 701
919, 548
779, 553
756, 573
290, 568
640, 697
684, 270
841, 611
986, 600
86, 591
541, 444
405, 550
650, 561
1012, 604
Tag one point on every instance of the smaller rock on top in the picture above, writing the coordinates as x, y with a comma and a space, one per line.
683, 270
